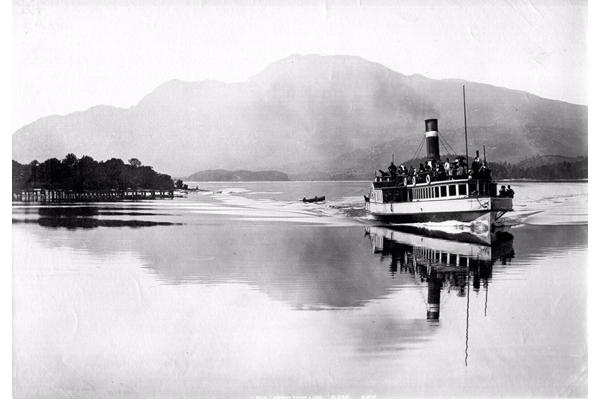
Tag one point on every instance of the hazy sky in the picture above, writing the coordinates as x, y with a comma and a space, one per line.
69, 56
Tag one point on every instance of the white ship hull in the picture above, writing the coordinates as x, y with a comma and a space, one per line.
485, 210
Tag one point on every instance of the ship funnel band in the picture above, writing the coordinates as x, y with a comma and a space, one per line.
431, 125
434, 315
432, 140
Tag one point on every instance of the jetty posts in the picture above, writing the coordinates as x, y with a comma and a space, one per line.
51, 196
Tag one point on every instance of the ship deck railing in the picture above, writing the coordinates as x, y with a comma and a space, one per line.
402, 180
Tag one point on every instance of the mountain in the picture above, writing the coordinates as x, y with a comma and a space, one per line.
221, 175
539, 161
308, 113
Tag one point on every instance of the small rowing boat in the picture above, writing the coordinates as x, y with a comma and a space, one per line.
313, 199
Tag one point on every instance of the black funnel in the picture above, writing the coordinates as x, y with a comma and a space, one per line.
432, 139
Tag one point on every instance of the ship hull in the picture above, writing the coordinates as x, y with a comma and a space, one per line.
435, 217
483, 210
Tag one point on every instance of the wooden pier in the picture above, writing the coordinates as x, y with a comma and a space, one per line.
42, 195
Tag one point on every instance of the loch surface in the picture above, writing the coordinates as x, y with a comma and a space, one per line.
243, 291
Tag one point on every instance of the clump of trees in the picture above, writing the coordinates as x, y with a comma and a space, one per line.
85, 173
577, 169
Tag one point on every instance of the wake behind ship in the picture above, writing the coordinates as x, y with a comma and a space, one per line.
436, 195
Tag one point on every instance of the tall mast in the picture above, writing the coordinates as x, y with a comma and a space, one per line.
465, 113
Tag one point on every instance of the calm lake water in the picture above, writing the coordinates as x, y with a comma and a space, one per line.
243, 291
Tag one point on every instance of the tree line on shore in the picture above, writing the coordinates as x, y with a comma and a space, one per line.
85, 173
563, 170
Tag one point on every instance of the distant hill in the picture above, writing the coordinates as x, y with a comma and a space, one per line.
221, 175
307, 114
537, 161
544, 168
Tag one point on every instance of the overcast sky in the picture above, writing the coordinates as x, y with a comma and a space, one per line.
68, 57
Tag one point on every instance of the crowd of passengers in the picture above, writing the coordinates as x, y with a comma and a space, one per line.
439, 171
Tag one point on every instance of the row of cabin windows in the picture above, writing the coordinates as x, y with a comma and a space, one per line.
433, 192
441, 191
440, 256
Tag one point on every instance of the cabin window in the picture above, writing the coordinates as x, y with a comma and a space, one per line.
437, 191
399, 195
444, 258
387, 196
462, 189
486, 188
463, 261
444, 191
452, 190
472, 187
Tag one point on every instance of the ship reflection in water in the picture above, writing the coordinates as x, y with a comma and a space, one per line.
432, 257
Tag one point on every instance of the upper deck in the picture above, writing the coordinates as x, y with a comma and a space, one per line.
426, 178
403, 188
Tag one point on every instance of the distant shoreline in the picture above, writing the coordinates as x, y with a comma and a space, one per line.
368, 181
543, 180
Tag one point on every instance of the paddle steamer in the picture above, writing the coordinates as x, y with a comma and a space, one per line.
436, 195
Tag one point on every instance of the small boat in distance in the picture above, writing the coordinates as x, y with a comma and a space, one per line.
438, 194
313, 199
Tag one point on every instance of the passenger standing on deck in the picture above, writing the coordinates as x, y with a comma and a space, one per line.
509, 192
440, 171
460, 171
502, 192
476, 165
447, 167
392, 169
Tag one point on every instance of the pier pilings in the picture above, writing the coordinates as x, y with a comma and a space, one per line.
43, 195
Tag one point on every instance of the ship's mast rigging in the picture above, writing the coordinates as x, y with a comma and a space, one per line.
465, 114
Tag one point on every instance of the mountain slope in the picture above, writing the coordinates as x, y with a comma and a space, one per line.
306, 111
